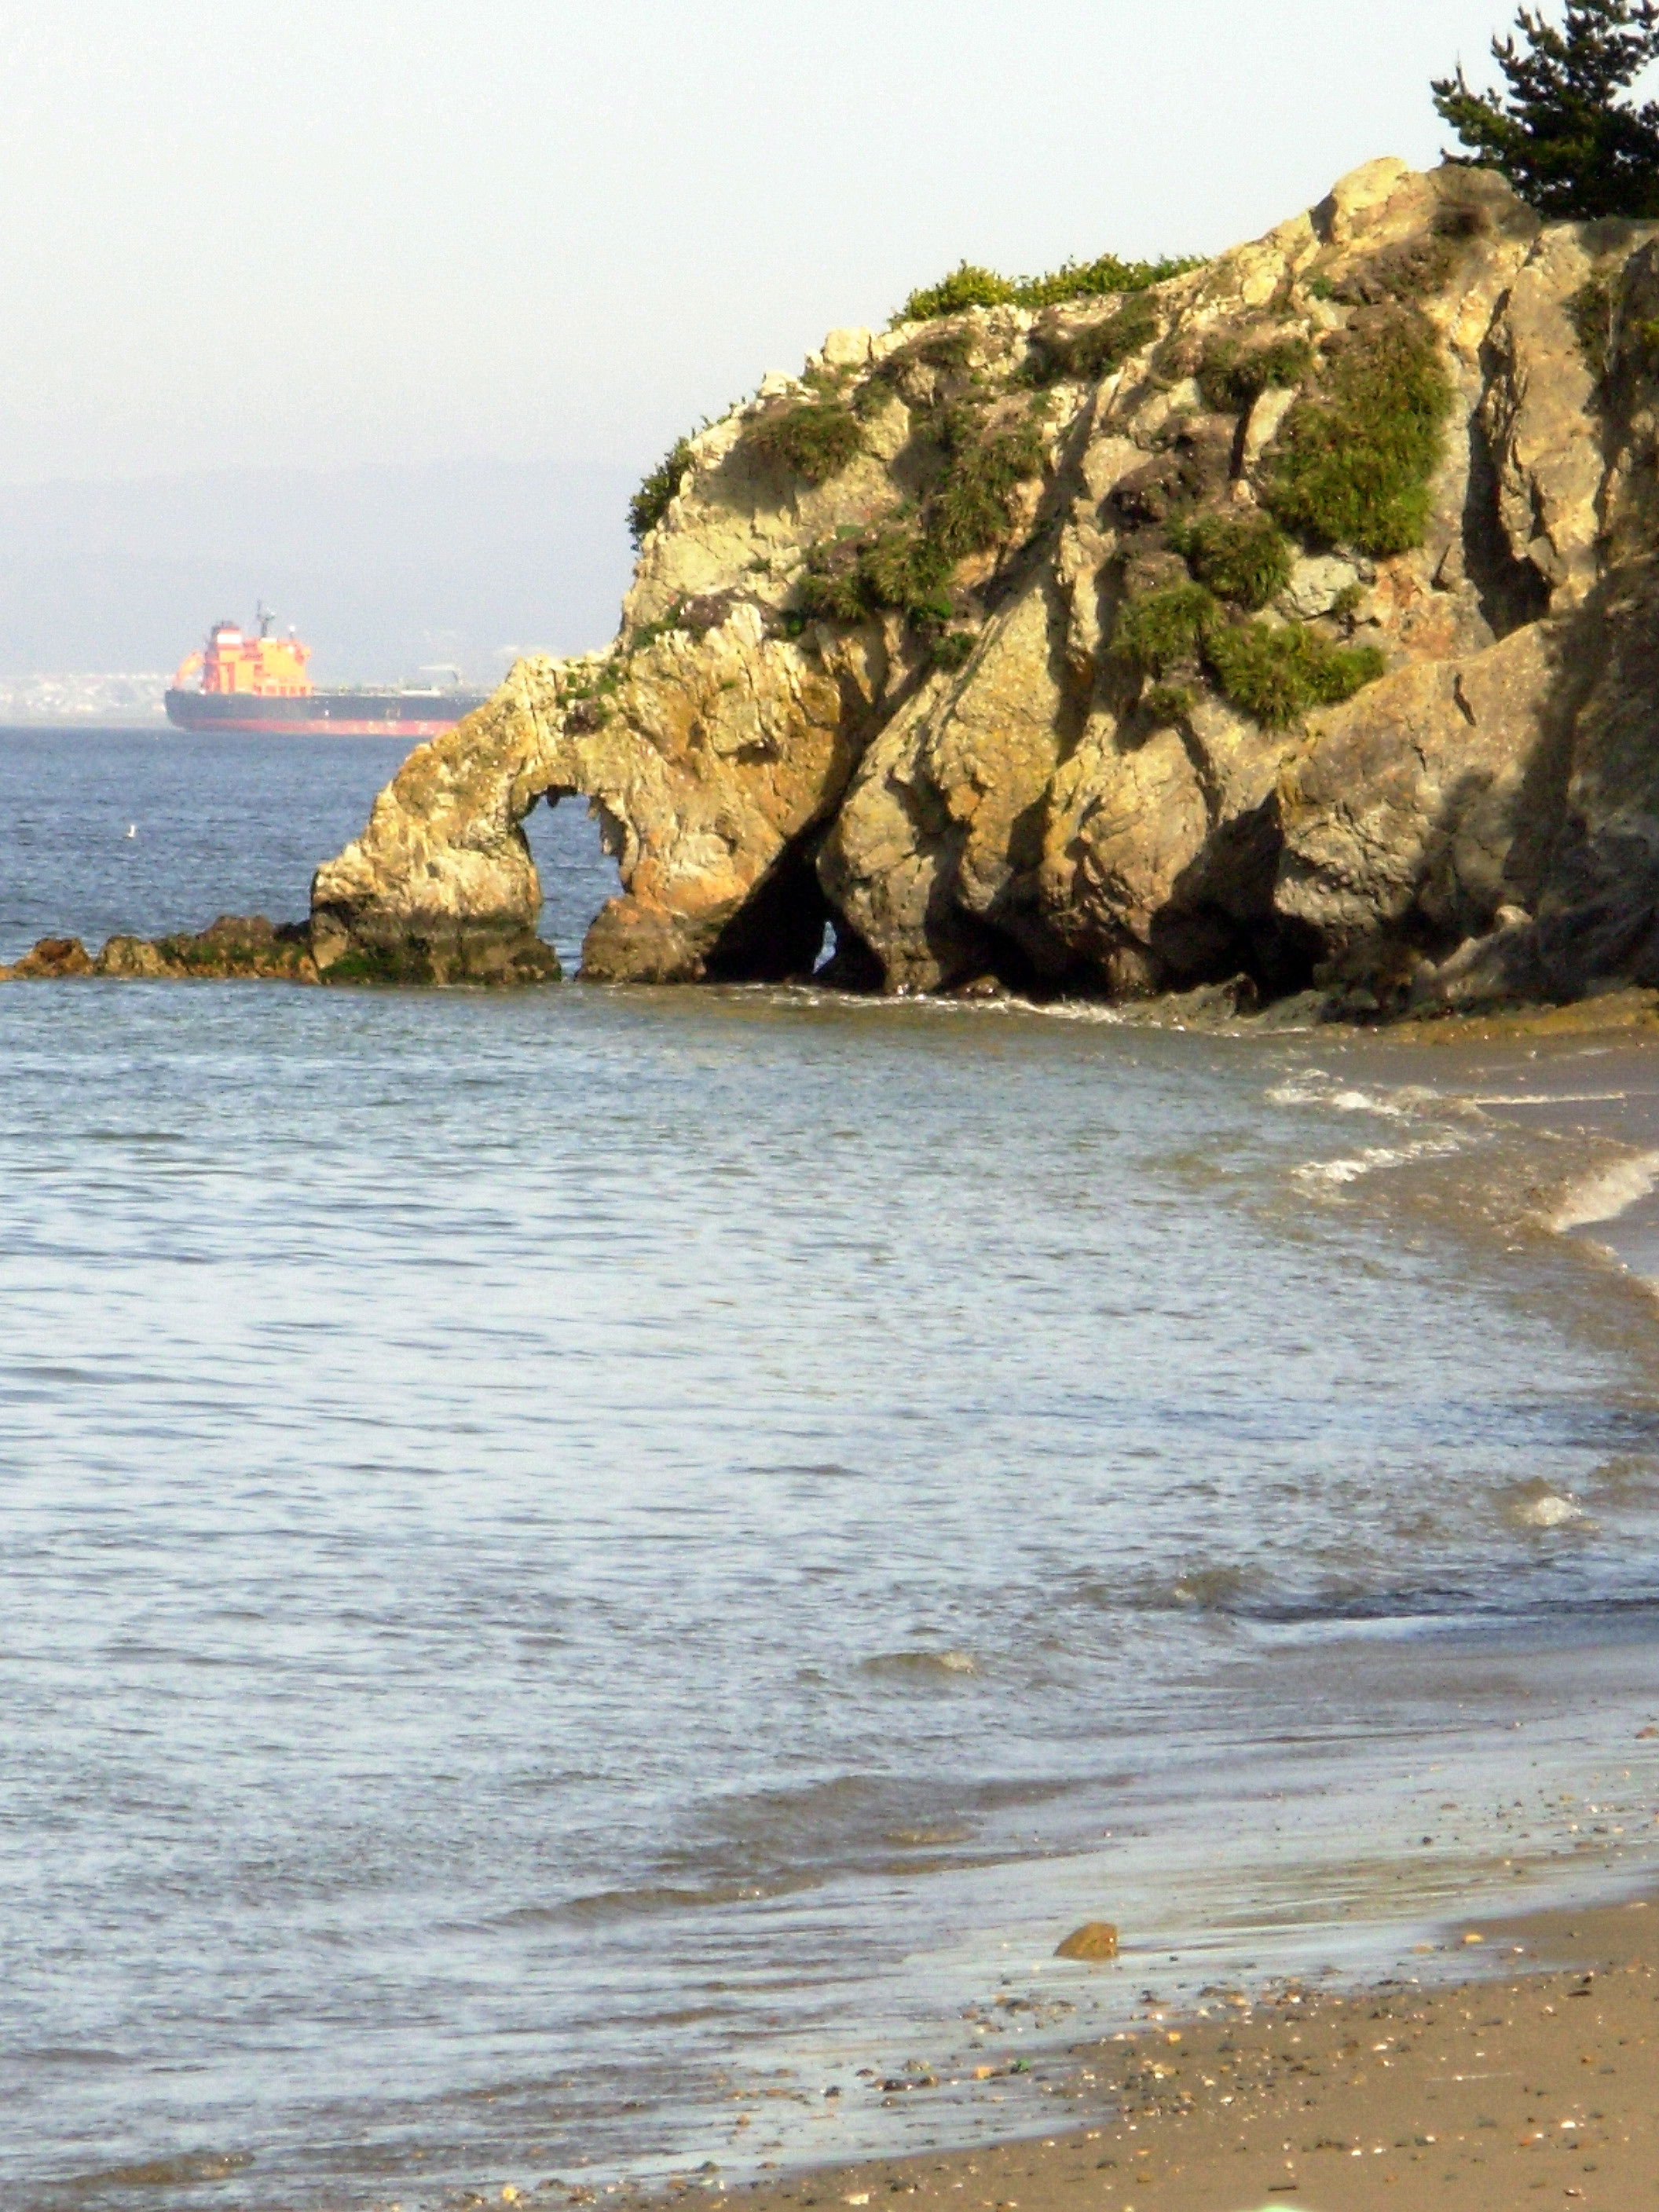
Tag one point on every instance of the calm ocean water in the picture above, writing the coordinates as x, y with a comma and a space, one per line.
581, 1566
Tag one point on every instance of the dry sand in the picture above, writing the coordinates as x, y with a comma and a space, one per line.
1535, 2084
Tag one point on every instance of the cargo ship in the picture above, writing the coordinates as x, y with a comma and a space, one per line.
258, 687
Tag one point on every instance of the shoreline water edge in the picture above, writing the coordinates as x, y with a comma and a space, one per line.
600, 1576
1320, 2079
1425, 2087
1313, 2085
1309, 2048
1513, 1716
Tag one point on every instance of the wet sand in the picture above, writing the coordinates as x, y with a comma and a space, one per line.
1536, 2082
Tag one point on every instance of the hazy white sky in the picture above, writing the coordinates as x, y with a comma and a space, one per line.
312, 233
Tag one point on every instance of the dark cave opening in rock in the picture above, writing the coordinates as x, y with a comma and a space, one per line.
778, 936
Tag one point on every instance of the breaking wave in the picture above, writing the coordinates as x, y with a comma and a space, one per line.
1607, 1192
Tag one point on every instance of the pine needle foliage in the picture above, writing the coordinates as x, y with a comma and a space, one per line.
1561, 132
1353, 463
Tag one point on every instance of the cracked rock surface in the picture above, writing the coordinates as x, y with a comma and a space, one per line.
876, 668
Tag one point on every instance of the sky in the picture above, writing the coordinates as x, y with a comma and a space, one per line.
314, 236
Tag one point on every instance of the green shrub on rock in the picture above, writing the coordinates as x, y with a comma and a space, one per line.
972, 505
1164, 704
953, 649
967, 286
1161, 627
1098, 350
1232, 376
1272, 672
651, 501
903, 565
897, 568
1353, 463
1100, 279
815, 438
1591, 311
1242, 557
1276, 675
905, 570
971, 286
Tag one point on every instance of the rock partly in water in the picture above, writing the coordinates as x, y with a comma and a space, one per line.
49, 959
236, 944
1294, 620
250, 947
1095, 1941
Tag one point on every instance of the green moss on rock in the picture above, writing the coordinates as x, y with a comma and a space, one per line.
386, 966
1159, 628
1233, 375
1276, 675
815, 438
1353, 463
1244, 557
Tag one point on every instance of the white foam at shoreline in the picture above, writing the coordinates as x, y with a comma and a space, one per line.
1607, 1192
1551, 1511
1351, 1169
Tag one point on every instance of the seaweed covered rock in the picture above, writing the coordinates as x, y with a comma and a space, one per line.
1287, 616
248, 945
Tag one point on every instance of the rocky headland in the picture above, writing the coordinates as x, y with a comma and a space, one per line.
1290, 625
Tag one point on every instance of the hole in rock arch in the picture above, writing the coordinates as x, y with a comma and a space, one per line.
578, 875
788, 933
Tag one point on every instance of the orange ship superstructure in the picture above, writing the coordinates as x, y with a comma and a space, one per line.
266, 667
260, 687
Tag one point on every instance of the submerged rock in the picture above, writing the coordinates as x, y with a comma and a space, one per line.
253, 948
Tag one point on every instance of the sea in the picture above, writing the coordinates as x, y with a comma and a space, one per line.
594, 1579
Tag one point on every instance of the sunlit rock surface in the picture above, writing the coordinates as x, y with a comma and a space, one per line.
954, 768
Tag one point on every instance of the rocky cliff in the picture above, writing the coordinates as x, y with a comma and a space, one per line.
1294, 619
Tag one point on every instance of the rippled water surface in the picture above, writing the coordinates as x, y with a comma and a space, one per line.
566, 1551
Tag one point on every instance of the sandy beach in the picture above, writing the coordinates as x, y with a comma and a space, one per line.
1536, 2081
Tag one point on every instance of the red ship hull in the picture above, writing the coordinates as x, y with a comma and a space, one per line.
322, 713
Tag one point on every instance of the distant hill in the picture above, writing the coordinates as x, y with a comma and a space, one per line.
382, 570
